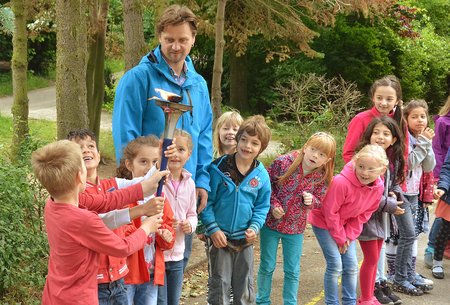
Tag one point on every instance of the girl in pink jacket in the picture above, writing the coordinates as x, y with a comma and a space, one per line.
352, 197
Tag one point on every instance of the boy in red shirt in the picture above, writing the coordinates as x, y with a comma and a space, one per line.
75, 234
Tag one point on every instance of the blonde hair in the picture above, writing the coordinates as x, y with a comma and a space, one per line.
323, 142
229, 117
182, 133
131, 151
372, 151
56, 166
255, 126
446, 108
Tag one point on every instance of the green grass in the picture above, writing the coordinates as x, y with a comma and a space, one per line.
45, 131
33, 82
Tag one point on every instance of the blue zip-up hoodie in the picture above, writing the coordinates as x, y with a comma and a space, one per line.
134, 115
444, 179
233, 209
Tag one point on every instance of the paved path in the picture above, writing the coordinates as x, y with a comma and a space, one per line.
42, 105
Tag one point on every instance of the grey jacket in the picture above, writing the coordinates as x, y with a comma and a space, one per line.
377, 226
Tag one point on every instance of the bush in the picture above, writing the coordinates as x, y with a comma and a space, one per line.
23, 245
308, 98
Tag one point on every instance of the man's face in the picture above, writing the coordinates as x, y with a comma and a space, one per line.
176, 43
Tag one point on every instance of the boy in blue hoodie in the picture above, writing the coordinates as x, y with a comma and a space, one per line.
238, 203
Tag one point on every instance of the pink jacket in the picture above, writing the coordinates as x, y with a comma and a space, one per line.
347, 205
184, 206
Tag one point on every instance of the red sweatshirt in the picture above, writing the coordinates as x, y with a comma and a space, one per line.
76, 236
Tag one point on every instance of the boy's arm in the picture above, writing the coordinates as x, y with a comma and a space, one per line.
116, 218
97, 237
207, 215
124, 183
103, 203
261, 208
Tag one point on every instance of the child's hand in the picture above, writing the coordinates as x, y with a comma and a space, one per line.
165, 234
171, 150
393, 195
152, 223
186, 227
428, 133
202, 198
278, 212
307, 198
175, 223
344, 248
438, 193
202, 237
250, 235
153, 206
150, 185
219, 239
399, 211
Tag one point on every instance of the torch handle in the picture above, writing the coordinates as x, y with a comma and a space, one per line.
164, 160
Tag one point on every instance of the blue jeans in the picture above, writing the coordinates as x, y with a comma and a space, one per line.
381, 267
292, 251
434, 231
113, 293
338, 264
187, 249
142, 294
170, 293
403, 259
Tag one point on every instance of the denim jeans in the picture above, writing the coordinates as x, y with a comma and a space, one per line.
113, 293
434, 231
142, 294
292, 251
403, 259
170, 293
338, 264
187, 249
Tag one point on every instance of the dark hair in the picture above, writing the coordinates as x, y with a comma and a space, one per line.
81, 134
176, 15
131, 151
395, 152
413, 104
393, 82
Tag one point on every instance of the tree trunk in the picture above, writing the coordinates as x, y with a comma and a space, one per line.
95, 81
238, 82
19, 73
133, 27
216, 85
71, 42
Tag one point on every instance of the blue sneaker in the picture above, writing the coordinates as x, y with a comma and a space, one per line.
428, 257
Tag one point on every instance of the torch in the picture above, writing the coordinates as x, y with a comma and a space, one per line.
170, 104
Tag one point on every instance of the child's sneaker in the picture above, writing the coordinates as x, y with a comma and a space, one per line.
428, 257
423, 283
438, 271
380, 295
407, 288
388, 292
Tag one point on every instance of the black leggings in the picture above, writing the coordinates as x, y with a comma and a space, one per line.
441, 240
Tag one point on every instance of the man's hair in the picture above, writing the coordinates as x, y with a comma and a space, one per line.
176, 15
56, 166
255, 126
81, 134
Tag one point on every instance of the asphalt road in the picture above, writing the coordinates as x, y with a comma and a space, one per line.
42, 105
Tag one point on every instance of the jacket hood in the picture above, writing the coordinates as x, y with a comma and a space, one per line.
348, 172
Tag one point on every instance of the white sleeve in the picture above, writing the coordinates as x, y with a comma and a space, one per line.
124, 183
116, 218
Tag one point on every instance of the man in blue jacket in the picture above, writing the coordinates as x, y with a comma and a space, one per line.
167, 67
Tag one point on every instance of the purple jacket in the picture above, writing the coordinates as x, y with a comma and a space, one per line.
441, 141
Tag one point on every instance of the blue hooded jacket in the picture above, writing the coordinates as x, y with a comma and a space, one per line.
233, 209
134, 115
